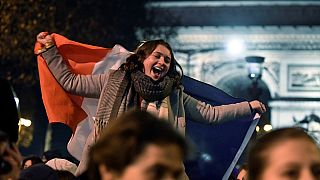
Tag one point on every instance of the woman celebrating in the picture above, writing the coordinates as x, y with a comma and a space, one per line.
148, 80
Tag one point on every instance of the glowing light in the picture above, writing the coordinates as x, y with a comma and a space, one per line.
252, 76
206, 157
235, 46
25, 122
257, 128
267, 127
17, 101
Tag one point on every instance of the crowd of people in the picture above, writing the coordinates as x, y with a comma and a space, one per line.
140, 125
139, 145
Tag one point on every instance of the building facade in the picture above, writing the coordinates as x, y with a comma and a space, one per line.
215, 37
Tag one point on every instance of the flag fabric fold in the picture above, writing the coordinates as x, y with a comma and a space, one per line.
218, 146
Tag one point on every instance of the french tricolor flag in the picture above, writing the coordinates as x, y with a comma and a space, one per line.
218, 147
76, 111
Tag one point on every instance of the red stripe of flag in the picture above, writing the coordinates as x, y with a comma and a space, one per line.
61, 106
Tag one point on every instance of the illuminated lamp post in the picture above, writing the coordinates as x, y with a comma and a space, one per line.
255, 68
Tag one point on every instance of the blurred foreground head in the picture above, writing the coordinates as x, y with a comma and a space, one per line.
287, 153
5, 166
137, 145
10, 159
8, 111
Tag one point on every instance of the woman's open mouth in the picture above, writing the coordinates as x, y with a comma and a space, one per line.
157, 71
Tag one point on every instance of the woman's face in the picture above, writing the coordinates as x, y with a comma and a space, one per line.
292, 159
158, 63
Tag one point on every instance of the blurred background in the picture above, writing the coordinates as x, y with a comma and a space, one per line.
266, 50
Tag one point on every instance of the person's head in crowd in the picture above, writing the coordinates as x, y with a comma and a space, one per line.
137, 145
243, 172
10, 158
9, 111
286, 153
30, 160
39, 171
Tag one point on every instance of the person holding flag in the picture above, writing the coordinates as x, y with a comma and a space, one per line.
147, 80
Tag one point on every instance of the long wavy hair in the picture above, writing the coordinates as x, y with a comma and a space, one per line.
135, 61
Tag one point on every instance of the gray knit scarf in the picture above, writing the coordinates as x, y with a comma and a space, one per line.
122, 91
149, 89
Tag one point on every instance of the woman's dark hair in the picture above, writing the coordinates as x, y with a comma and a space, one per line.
125, 139
258, 154
33, 158
135, 61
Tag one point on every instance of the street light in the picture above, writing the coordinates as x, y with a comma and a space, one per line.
255, 68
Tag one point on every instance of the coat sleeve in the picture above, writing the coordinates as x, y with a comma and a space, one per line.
82, 85
206, 113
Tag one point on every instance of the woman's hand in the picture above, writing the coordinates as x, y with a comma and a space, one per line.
258, 107
44, 38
